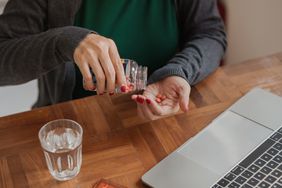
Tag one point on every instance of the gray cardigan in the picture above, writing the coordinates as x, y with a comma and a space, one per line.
37, 41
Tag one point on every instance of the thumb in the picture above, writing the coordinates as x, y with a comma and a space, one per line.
184, 93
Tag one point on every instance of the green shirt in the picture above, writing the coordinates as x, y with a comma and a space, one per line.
143, 30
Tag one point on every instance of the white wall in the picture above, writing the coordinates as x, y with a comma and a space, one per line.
14, 99
2, 5
254, 28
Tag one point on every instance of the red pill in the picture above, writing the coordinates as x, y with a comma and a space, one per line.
158, 100
163, 97
159, 96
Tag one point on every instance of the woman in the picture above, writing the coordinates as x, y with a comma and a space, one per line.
181, 42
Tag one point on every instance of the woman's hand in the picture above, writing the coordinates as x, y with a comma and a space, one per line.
173, 90
100, 55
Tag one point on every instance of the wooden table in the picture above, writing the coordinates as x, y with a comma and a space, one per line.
117, 145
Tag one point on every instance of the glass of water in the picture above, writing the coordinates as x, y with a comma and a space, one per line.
61, 142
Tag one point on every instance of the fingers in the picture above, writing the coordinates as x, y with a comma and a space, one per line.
108, 70
86, 74
155, 107
149, 107
98, 72
142, 108
164, 98
102, 56
184, 93
153, 110
147, 112
118, 66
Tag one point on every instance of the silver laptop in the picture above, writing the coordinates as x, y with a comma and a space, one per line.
215, 156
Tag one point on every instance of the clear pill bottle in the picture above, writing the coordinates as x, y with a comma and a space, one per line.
136, 76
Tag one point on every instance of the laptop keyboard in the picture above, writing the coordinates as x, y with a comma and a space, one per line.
262, 168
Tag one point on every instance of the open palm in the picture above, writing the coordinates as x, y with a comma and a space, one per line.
176, 91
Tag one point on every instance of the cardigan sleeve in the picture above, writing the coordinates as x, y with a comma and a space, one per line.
202, 42
28, 47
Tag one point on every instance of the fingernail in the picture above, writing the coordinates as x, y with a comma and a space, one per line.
93, 88
140, 100
123, 88
111, 93
101, 93
148, 101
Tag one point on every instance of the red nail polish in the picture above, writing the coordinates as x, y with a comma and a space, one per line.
101, 93
148, 101
123, 89
140, 100
111, 93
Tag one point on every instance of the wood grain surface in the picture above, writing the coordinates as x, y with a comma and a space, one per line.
117, 145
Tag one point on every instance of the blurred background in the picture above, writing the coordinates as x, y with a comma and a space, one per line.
254, 30
14, 99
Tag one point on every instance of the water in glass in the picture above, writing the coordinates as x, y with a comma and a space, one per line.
62, 148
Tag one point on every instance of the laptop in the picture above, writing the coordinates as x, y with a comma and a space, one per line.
240, 148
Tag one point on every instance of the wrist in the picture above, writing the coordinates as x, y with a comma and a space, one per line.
168, 71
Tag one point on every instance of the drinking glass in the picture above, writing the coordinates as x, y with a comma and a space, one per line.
61, 142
